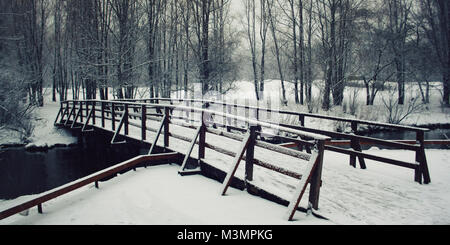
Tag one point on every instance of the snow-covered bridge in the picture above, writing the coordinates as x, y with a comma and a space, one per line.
221, 138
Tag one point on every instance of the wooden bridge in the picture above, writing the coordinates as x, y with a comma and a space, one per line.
221, 136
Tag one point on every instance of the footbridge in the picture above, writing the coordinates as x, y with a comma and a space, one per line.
230, 142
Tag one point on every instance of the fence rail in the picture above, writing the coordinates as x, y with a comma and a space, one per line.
420, 166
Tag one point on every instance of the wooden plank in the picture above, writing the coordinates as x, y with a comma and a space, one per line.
358, 137
301, 186
85, 181
372, 157
235, 163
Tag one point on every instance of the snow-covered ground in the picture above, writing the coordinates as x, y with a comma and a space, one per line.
158, 195
44, 133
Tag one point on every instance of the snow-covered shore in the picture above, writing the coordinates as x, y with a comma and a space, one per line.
44, 134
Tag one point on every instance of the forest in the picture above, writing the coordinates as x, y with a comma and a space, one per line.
107, 49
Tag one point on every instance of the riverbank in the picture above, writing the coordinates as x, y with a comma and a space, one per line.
44, 134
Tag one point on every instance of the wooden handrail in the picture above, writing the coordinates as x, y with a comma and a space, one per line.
288, 112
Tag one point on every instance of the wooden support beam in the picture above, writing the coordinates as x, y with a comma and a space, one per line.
117, 132
191, 147
235, 163
301, 187
76, 117
70, 114
83, 129
155, 141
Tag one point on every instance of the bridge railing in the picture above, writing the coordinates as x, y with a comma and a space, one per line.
354, 138
118, 116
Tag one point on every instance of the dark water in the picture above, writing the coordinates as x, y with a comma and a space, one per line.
24, 173
409, 135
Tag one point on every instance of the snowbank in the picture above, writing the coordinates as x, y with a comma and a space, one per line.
44, 134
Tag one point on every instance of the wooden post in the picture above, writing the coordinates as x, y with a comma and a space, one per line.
125, 112
235, 112
224, 118
228, 118
143, 122
246, 110
81, 111
316, 178
354, 143
301, 118
93, 112
422, 170
39, 206
187, 111
249, 156
202, 139
113, 116
103, 113
166, 126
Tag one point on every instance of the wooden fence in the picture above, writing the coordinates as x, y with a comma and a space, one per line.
354, 139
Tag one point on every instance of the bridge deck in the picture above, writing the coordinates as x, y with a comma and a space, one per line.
263, 178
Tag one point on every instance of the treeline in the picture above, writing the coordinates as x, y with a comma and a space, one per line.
88, 47
338, 41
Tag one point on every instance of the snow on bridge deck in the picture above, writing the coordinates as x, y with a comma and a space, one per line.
158, 195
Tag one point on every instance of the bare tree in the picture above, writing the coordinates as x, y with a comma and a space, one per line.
271, 18
30, 19
398, 27
436, 26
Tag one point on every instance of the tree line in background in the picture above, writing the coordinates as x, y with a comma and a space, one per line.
338, 41
90, 47
93, 46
